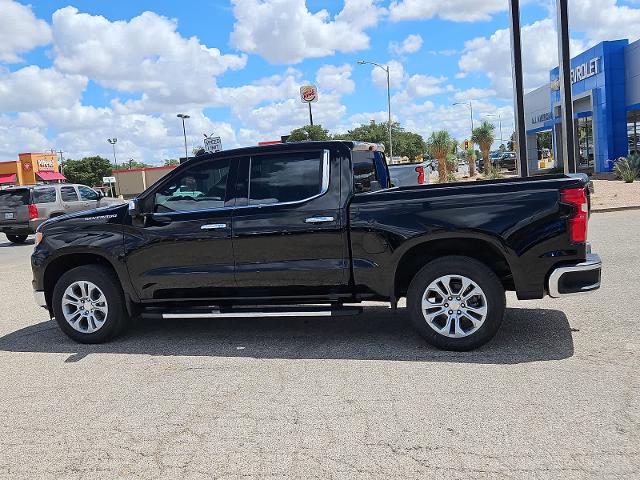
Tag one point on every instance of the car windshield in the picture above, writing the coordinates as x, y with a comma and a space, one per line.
14, 198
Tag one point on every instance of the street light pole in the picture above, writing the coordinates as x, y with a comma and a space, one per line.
113, 142
499, 117
183, 116
387, 70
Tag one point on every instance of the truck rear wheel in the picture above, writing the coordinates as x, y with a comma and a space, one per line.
88, 304
17, 238
456, 303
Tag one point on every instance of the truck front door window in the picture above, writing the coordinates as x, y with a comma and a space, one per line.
285, 177
202, 187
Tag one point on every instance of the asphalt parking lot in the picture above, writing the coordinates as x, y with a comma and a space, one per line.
555, 395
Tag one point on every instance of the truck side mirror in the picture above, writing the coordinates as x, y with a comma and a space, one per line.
134, 208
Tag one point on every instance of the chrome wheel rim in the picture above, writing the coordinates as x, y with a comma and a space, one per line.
84, 307
454, 306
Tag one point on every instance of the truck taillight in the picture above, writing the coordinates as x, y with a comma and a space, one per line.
580, 218
420, 171
33, 211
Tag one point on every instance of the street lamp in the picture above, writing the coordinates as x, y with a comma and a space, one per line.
113, 142
499, 117
184, 116
469, 105
386, 69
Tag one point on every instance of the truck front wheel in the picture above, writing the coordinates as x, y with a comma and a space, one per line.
456, 303
88, 304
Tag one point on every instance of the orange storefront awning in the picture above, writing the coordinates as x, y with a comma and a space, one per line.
48, 176
8, 178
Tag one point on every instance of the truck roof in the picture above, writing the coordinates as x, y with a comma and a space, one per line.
289, 146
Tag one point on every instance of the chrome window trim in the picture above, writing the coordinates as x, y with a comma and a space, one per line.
324, 188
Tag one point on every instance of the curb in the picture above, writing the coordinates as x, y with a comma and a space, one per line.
615, 209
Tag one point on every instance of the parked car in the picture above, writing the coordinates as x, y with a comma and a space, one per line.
505, 160
23, 209
292, 230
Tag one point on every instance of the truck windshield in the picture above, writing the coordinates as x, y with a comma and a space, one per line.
14, 198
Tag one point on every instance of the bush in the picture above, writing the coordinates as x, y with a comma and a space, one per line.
493, 173
628, 169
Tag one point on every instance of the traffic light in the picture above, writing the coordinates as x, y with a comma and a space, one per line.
466, 144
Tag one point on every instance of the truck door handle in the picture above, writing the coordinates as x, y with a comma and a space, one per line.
319, 220
213, 226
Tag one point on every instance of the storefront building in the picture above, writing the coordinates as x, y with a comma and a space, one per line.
606, 102
30, 169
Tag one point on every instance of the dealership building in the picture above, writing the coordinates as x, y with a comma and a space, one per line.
606, 104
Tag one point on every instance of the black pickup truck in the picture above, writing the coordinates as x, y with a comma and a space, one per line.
305, 229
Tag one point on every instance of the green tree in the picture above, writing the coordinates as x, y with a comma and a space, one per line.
88, 170
171, 162
405, 144
308, 133
131, 164
484, 136
440, 145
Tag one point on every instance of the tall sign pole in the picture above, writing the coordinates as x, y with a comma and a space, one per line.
308, 95
566, 100
518, 87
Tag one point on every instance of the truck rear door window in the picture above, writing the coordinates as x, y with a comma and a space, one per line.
44, 195
14, 198
364, 171
287, 177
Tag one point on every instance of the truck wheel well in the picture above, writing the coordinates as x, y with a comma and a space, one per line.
65, 263
418, 256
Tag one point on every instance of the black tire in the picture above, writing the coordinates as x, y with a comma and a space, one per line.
116, 318
17, 238
473, 270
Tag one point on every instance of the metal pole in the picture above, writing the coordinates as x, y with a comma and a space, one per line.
518, 87
566, 100
184, 132
389, 107
310, 115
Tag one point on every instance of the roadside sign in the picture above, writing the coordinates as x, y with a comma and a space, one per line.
212, 144
308, 93
109, 180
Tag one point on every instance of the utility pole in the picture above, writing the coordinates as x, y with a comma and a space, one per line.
387, 70
566, 99
113, 142
183, 116
469, 104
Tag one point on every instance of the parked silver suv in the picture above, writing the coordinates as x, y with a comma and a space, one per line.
23, 209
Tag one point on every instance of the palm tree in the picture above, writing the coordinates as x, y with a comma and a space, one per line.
471, 157
484, 136
439, 146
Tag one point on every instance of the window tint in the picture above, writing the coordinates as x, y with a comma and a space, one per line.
68, 194
201, 187
44, 195
364, 171
14, 198
87, 193
285, 178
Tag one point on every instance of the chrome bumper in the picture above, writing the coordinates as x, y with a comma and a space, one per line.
579, 278
38, 296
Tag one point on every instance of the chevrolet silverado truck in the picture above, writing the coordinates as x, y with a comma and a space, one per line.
315, 229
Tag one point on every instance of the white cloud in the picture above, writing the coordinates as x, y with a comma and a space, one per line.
20, 31
143, 54
337, 79
411, 44
286, 32
612, 21
426, 85
455, 10
396, 75
35, 88
474, 94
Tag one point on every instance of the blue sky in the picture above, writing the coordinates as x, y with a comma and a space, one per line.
73, 74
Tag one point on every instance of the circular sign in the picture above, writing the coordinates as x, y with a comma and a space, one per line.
309, 93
